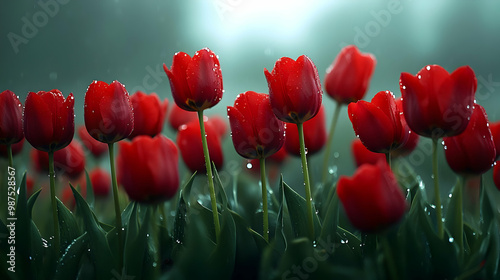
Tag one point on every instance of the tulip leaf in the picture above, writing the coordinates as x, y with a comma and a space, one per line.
100, 252
90, 198
279, 234
67, 225
331, 218
223, 258
32, 200
487, 211
454, 217
136, 243
219, 188
181, 212
248, 250
23, 232
493, 257
298, 209
259, 240
125, 215
68, 264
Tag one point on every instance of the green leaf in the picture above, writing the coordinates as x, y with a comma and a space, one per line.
67, 224
454, 217
69, 263
23, 232
248, 250
32, 200
90, 191
279, 234
219, 188
259, 240
493, 255
331, 219
136, 243
298, 208
181, 212
100, 252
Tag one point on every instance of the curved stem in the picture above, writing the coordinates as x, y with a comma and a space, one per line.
307, 183
208, 165
335, 119
118, 216
265, 228
389, 257
437, 197
55, 218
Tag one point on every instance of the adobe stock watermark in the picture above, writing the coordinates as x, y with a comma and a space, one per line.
222, 7
31, 26
11, 218
381, 19
155, 75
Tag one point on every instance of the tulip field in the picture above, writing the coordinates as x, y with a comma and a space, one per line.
105, 196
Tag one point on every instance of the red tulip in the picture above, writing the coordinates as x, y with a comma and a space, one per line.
49, 120
220, 124
411, 143
314, 135
179, 116
495, 132
348, 77
294, 89
196, 82
69, 161
372, 198
472, 152
16, 149
108, 112
95, 147
189, 143
255, 130
101, 182
378, 123
11, 118
436, 103
362, 155
149, 114
148, 168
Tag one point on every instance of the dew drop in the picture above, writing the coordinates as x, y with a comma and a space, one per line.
428, 67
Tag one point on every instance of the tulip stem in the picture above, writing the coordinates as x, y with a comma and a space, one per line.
388, 159
118, 216
307, 184
208, 165
265, 228
52, 177
439, 214
333, 125
9, 155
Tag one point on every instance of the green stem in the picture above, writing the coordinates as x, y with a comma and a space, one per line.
9, 155
335, 119
307, 183
52, 179
460, 237
118, 216
389, 257
208, 165
264, 198
388, 159
437, 197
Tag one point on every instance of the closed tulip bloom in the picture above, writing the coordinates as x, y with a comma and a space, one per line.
149, 114
348, 77
473, 151
108, 112
190, 146
49, 120
495, 132
101, 182
372, 198
362, 155
294, 89
255, 130
220, 124
179, 116
95, 147
16, 149
196, 82
436, 103
148, 168
11, 118
314, 135
378, 123
69, 161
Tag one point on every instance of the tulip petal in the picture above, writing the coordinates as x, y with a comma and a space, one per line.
38, 126
204, 79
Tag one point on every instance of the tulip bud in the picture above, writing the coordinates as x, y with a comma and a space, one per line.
372, 198
149, 114
49, 120
108, 112
179, 116
95, 147
314, 135
11, 118
348, 77
294, 89
362, 155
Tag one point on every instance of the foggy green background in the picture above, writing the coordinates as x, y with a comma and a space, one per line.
130, 40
